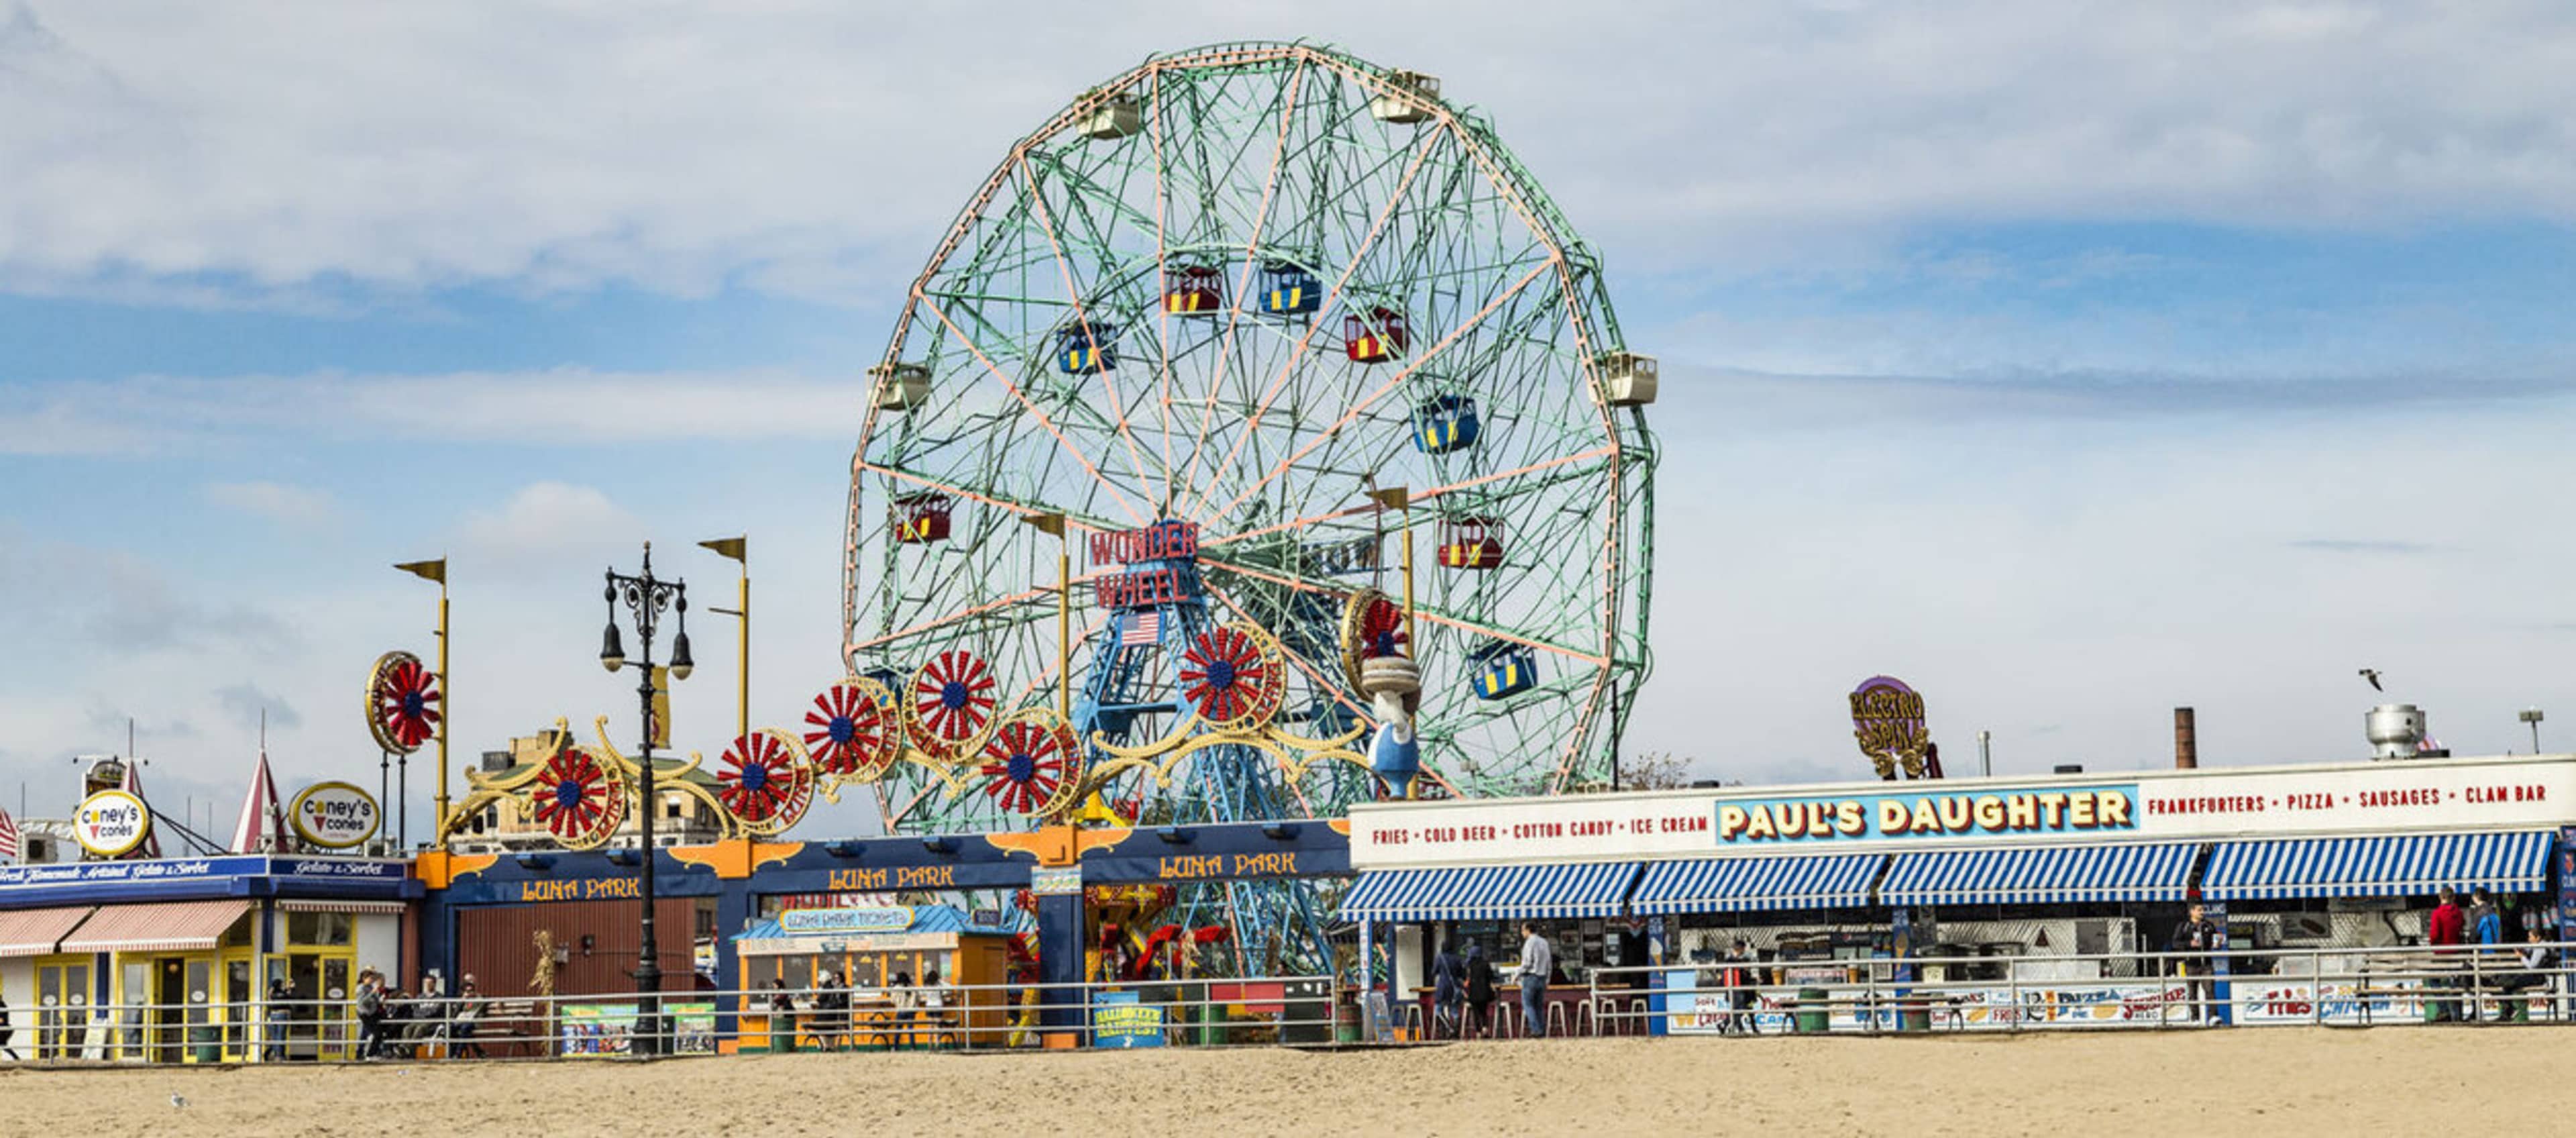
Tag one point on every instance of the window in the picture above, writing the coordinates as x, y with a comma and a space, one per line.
318, 928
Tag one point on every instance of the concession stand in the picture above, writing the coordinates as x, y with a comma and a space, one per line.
2064, 884
867, 948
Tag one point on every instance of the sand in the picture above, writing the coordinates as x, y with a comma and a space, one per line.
2271, 1082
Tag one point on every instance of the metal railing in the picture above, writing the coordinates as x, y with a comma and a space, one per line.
2153, 990
1201, 1013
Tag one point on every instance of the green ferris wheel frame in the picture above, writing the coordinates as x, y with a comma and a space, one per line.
1432, 249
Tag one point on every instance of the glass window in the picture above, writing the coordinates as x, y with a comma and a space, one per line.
798, 971
867, 970
319, 928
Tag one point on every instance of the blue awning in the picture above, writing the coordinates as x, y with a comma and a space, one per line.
2378, 867
1748, 884
2040, 875
1490, 892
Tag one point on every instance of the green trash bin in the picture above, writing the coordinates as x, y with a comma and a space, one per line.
208, 1044
1815, 1012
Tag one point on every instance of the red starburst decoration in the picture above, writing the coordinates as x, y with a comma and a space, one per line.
1226, 676
577, 799
1382, 629
407, 705
1034, 767
952, 700
852, 733
762, 783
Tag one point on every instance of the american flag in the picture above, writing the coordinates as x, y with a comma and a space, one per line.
8, 837
1144, 629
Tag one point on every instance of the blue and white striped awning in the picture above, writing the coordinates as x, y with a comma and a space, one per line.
1490, 892
1748, 884
2378, 867
2040, 875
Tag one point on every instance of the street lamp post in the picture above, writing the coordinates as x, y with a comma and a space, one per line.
646, 597
2532, 716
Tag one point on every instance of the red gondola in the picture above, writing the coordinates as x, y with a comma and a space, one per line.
922, 518
1381, 334
1471, 543
1193, 290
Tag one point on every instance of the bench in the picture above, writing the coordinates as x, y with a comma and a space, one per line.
523, 1026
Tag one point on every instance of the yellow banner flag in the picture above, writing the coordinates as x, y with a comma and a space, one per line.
660, 725
426, 570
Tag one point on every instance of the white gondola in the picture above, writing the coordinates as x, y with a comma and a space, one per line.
1628, 378
1115, 117
1410, 97
900, 387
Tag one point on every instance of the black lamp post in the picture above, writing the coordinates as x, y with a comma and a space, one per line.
645, 599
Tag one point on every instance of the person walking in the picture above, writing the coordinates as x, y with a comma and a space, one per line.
1538, 961
1448, 990
2194, 939
372, 1006
1479, 974
8, 1031
2446, 930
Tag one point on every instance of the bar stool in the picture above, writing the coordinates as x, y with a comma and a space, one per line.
1556, 1019
1413, 1021
1586, 1023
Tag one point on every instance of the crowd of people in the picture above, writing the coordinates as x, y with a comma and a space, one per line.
396, 1024
2470, 943
826, 1012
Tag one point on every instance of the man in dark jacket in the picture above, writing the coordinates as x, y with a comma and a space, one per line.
2194, 939
1480, 989
1448, 990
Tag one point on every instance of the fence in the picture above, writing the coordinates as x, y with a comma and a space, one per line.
2267, 987
2150, 991
1202, 1013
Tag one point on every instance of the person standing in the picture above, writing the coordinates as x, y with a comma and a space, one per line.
2193, 940
1740, 963
1538, 961
1448, 990
2445, 930
281, 1019
1480, 989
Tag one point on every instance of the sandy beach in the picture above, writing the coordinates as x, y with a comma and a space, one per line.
2292, 1081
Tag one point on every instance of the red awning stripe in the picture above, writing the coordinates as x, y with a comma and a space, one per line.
35, 932
168, 926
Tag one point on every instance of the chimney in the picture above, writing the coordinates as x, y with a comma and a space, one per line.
2186, 740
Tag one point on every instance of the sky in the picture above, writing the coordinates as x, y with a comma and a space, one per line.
2071, 361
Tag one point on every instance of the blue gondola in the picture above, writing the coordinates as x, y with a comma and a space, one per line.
1444, 423
1086, 348
1502, 668
1287, 290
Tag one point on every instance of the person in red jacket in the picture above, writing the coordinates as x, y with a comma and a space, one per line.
2446, 931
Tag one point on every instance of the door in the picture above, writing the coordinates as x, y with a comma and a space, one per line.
238, 1008
166, 1019
62, 1008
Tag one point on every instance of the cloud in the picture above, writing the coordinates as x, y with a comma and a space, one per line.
556, 407
114, 601
546, 521
2363, 546
244, 703
278, 502
810, 147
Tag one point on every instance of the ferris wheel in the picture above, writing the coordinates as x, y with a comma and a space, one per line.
1203, 321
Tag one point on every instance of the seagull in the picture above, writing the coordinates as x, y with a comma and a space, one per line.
178, 1102
2372, 674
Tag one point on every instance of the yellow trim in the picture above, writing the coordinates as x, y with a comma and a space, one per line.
736, 860
437, 869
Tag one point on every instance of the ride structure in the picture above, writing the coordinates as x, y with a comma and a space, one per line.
1214, 317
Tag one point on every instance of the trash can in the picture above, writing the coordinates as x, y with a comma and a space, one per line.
1814, 1013
1346, 1019
208, 1044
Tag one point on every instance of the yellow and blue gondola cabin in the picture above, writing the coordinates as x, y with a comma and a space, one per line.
1086, 349
920, 519
1445, 423
1287, 290
1374, 337
1502, 669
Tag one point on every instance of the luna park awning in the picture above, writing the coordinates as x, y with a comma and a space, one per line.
2042, 875
2412, 865
1490, 892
